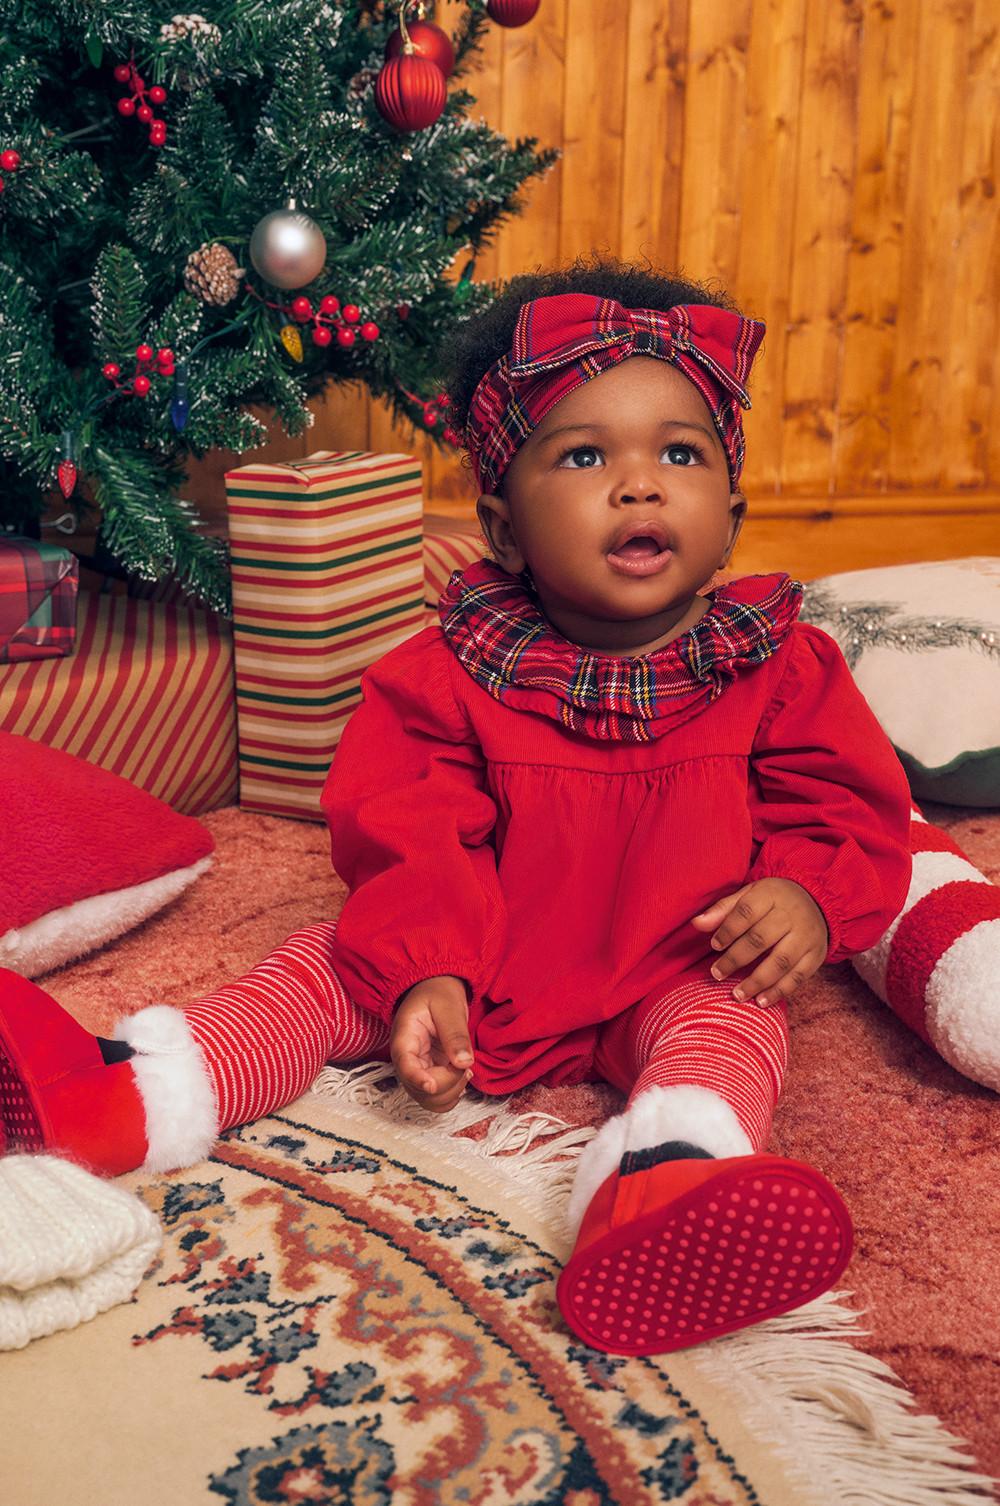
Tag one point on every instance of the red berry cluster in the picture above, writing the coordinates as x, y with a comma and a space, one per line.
140, 102
144, 358
435, 409
10, 161
330, 312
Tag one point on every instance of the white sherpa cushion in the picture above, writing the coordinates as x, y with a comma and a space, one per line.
71, 1246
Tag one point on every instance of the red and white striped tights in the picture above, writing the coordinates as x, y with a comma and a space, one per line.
266, 1036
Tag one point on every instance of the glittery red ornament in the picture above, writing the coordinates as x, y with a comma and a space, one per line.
66, 473
511, 12
429, 41
410, 92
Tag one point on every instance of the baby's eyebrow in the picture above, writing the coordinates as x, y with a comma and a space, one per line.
599, 428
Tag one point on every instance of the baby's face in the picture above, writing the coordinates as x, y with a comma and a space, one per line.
635, 443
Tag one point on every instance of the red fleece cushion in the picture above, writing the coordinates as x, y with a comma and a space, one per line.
72, 830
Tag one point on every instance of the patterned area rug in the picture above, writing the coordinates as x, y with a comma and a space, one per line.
340, 1314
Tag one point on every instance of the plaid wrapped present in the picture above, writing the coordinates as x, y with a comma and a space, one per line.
38, 585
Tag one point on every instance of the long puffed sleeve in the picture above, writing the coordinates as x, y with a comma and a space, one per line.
829, 800
411, 827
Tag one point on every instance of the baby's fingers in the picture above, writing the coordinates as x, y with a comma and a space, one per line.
775, 979
428, 1084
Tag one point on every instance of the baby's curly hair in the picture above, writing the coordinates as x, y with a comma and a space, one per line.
469, 352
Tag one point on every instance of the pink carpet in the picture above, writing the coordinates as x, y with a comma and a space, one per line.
913, 1146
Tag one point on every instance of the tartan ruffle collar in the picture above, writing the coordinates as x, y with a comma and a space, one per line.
497, 630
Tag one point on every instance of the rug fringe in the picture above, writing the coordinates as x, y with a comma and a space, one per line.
839, 1415
841, 1419
538, 1176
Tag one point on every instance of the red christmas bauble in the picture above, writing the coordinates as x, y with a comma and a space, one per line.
10, 160
345, 336
511, 12
321, 335
329, 304
111, 371
141, 385
144, 352
410, 92
429, 41
351, 313
369, 331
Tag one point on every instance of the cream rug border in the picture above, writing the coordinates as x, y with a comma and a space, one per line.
835, 1423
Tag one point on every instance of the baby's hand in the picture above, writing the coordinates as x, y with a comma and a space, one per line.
429, 1042
767, 913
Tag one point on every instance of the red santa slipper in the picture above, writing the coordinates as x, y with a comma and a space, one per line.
56, 1093
686, 1250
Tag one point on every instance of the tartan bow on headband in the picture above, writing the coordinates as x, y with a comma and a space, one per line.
567, 339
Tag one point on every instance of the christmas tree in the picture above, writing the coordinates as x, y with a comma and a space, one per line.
203, 212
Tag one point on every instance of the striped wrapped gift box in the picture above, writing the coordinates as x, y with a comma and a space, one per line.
449, 544
327, 568
148, 694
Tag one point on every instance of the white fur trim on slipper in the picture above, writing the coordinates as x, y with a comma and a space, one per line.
182, 1118
682, 1112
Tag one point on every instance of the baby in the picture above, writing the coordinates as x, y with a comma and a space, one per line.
599, 822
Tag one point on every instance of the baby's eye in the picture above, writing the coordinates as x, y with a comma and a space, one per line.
686, 449
580, 449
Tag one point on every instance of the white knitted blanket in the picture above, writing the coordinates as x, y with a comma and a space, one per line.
71, 1246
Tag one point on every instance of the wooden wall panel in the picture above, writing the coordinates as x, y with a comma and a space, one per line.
834, 167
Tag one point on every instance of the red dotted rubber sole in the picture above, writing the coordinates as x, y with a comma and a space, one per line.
19, 1123
742, 1247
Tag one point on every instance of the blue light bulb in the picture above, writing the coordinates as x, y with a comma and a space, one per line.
179, 405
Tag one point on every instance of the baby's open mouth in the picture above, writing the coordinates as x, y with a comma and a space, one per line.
639, 548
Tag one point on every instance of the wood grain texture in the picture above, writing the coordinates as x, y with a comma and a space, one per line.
834, 168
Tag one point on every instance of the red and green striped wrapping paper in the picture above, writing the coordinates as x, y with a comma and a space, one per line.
327, 570
38, 585
148, 694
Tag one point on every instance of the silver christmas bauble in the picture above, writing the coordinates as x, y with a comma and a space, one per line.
287, 248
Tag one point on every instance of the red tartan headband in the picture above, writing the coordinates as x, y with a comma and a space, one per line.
569, 338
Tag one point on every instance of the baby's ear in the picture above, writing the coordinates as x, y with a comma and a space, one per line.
737, 512
494, 519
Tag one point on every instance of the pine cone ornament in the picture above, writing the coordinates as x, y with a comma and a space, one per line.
361, 83
212, 275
